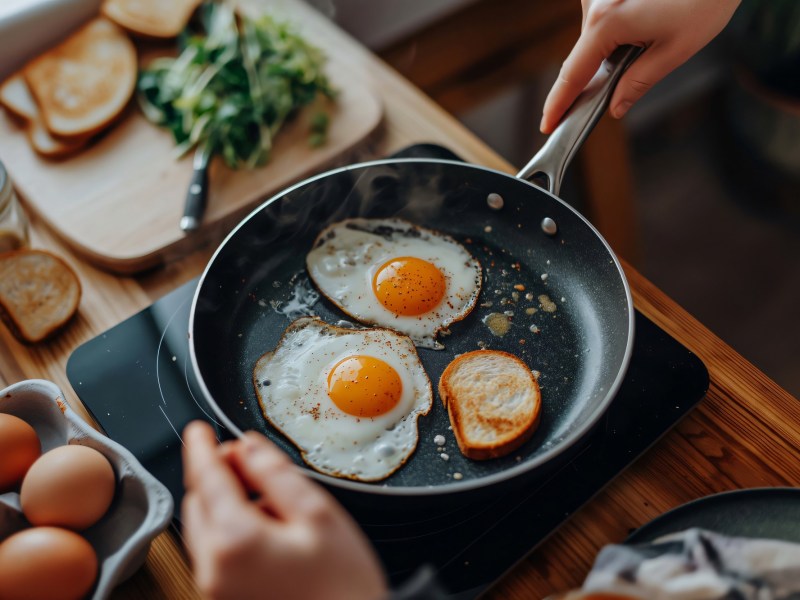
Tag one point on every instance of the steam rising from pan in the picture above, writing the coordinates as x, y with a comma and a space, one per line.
233, 323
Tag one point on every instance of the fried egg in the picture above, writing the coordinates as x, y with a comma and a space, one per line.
391, 273
349, 399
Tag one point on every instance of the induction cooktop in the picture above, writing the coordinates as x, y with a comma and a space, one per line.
137, 382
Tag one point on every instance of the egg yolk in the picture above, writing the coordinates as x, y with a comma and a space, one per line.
364, 386
409, 286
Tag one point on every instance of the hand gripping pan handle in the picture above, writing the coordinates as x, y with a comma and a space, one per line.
562, 145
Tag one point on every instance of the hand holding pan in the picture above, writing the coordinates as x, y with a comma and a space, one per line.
582, 349
560, 148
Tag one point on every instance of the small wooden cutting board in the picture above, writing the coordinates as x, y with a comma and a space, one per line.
119, 201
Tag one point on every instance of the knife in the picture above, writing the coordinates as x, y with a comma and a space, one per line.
197, 193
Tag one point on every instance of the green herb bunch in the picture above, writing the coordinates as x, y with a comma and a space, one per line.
233, 86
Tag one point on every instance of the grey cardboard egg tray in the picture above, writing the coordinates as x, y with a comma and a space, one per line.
142, 506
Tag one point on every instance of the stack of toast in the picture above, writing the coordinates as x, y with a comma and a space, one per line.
74, 90
63, 98
78, 88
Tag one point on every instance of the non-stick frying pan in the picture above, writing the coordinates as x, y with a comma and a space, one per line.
530, 244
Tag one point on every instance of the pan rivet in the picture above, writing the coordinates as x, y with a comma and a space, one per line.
549, 226
495, 201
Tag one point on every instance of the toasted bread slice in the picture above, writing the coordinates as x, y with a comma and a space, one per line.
39, 293
84, 83
16, 98
493, 400
150, 18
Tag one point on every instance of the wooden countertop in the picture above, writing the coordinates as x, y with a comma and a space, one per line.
746, 433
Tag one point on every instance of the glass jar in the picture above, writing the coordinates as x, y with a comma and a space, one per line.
13, 222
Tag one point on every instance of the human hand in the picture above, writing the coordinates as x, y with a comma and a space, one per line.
293, 541
671, 31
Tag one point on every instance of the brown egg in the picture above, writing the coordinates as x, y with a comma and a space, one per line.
70, 486
46, 563
19, 447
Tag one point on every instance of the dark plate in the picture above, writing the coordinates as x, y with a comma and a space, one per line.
769, 513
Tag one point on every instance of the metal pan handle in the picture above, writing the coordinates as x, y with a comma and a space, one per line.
562, 145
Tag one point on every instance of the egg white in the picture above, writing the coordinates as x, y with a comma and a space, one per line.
347, 254
292, 387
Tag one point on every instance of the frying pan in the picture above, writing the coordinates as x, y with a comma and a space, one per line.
524, 236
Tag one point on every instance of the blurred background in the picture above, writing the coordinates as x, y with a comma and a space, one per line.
698, 187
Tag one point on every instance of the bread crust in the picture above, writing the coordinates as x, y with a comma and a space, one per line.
479, 402
16, 98
39, 293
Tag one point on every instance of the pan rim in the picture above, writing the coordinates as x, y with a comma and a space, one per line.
455, 487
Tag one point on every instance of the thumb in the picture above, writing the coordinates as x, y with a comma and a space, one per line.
652, 66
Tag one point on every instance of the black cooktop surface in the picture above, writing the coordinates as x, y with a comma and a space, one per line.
136, 380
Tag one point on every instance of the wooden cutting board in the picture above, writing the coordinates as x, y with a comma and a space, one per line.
118, 202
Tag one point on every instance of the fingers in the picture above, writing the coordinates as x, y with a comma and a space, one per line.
585, 5
208, 475
194, 521
671, 30
651, 66
285, 491
579, 68
220, 477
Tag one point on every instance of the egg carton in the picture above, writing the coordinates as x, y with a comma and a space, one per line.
142, 505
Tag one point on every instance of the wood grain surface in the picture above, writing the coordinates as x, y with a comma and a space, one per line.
746, 433
119, 200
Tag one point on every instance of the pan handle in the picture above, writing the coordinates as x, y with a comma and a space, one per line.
562, 145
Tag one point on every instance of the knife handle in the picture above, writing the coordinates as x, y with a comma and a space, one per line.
195, 199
